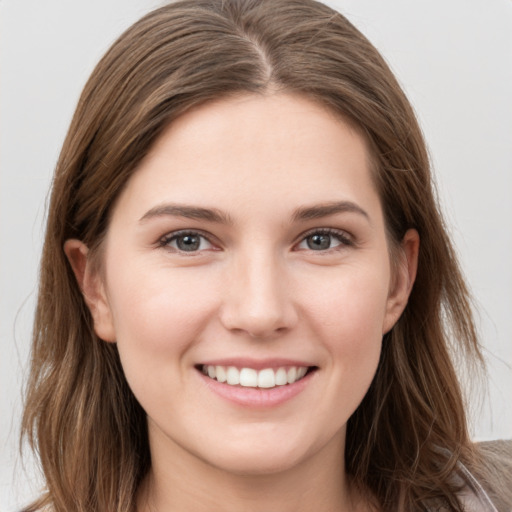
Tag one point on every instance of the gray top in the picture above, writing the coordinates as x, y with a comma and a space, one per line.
473, 497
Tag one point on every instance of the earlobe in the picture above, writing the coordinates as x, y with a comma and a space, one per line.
403, 281
92, 287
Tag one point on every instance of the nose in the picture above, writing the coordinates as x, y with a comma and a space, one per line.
257, 297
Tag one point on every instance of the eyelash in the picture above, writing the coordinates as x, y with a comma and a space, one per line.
344, 238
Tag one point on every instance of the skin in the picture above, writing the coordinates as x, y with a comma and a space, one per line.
256, 287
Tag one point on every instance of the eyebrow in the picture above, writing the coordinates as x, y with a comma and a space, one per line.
326, 209
217, 216
188, 212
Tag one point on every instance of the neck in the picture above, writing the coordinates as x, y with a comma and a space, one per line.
181, 481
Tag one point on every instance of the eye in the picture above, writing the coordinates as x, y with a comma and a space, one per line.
186, 241
324, 239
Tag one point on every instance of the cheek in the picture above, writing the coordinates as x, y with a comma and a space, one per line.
158, 316
159, 312
348, 315
353, 300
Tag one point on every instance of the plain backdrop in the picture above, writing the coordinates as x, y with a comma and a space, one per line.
454, 60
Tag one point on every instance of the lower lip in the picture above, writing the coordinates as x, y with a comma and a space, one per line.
257, 397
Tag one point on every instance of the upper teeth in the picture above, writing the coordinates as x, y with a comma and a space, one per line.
249, 377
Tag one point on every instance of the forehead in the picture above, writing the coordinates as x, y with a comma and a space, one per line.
270, 121
255, 150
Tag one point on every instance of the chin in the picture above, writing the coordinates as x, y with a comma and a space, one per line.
257, 463
258, 455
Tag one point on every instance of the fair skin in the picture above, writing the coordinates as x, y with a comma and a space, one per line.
251, 237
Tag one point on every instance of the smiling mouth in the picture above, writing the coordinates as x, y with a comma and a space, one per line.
249, 377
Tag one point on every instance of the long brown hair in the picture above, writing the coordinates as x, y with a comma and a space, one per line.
407, 436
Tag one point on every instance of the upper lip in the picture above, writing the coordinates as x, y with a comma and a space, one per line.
256, 364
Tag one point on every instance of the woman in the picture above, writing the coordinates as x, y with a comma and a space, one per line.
248, 299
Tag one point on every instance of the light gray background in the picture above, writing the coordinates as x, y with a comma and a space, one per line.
454, 59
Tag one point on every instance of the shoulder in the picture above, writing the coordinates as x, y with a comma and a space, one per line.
489, 485
499, 452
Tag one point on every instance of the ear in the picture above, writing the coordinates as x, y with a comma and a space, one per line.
403, 280
93, 288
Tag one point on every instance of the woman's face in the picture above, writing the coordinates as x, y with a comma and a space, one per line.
250, 246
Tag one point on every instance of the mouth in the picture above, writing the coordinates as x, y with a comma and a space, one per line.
265, 378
